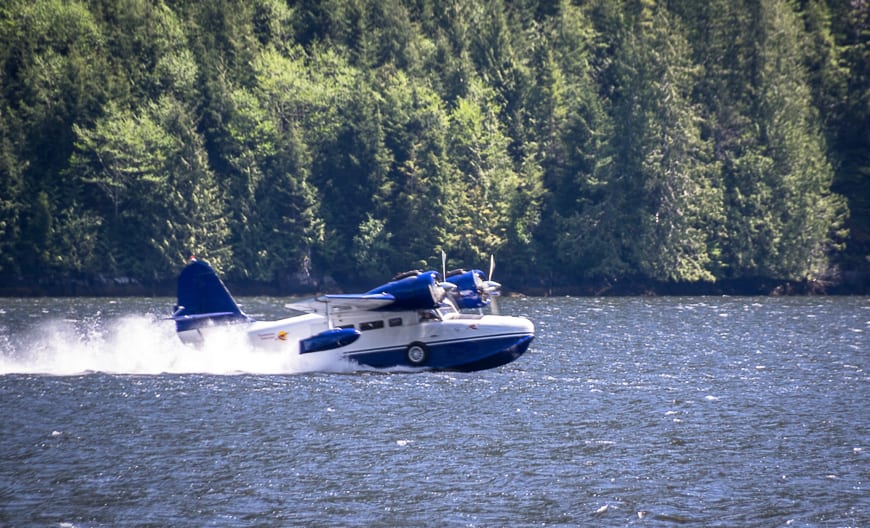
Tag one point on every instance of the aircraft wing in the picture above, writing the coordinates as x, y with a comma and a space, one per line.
343, 303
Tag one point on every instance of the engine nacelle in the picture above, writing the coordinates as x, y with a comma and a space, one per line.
417, 291
470, 289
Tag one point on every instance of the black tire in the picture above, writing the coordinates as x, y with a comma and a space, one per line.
417, 354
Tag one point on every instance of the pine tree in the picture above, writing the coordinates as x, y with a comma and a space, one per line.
791, 128
679, 195
782, 220
782, 217
487, 180
274, 206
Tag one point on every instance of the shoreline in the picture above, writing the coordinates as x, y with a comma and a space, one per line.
856, 284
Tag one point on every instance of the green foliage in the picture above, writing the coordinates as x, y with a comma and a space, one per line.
783, 219
162, 201
674, 141
487, 179
668, 184
11, 200
415, 200
273, 204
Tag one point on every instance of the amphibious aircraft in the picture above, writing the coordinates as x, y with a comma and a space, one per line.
419, 320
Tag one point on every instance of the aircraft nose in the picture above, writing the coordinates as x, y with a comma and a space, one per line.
530, 326
524, 325
511, 324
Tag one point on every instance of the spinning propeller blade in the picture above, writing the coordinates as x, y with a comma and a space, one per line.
447, 286
443, 265
491, 287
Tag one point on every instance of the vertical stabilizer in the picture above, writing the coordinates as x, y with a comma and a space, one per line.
203, 299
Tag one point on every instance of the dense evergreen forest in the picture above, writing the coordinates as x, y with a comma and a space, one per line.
587, 144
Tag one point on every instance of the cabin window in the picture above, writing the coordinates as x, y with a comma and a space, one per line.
346, 326
371, 325
396, 321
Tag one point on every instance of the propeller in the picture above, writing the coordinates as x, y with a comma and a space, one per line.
443, 265
492, 288
468, 289
447, 286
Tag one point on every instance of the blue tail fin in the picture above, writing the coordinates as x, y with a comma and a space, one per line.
203, 299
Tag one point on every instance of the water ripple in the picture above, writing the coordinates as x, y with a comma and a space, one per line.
626, 412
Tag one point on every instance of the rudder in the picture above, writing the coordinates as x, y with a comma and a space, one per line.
203, 299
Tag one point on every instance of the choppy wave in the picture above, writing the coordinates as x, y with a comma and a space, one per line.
626, 412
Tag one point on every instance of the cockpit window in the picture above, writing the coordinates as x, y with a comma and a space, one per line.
428, 315
446, 309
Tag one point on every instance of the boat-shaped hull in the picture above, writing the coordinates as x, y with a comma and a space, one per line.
469, 349
462, 356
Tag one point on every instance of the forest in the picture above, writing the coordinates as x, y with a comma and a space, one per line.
591, 146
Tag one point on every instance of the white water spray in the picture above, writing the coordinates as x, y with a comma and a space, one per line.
142, 345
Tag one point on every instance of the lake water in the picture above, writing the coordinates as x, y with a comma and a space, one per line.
726, 411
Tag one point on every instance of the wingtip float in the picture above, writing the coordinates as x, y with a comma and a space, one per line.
416, 321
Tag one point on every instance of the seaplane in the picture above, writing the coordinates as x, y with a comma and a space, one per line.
419, 320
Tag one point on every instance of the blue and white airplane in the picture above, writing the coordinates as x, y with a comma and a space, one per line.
415, 321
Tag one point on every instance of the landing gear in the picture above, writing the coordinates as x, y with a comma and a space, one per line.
417, 354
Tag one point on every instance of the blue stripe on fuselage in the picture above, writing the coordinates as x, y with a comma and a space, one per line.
449, 353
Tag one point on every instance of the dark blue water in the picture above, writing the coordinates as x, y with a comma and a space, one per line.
626, 412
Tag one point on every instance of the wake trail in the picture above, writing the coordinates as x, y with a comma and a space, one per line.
142, 345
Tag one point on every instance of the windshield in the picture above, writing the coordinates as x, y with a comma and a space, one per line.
426, 316
447, 310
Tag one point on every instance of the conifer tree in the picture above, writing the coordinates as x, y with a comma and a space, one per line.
672, 195
809, 213
273, 207
684, 140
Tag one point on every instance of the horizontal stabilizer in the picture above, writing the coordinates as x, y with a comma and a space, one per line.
192, 317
